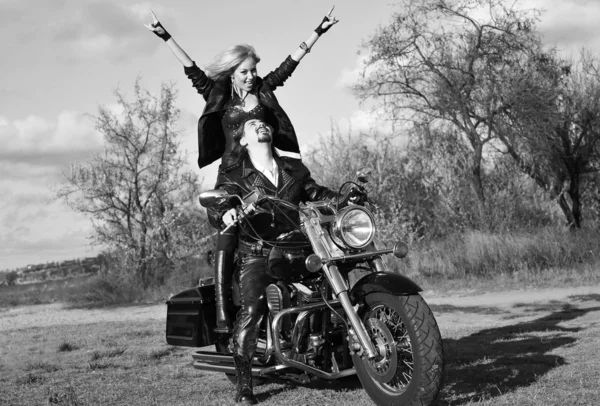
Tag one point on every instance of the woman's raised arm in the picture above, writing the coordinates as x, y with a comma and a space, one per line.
156, 27
304, 48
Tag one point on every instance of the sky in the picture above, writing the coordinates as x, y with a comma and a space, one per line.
61, 59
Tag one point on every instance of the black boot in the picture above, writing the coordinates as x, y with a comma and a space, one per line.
223, 272
243, 374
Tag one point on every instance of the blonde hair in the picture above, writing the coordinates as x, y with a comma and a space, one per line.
226, 62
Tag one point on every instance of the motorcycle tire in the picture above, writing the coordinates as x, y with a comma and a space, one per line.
404, 329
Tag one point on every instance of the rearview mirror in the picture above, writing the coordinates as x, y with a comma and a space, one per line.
214, 198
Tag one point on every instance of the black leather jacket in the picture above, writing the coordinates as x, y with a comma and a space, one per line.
211, 140
295, 185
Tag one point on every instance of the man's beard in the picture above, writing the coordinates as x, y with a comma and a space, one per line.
264, 137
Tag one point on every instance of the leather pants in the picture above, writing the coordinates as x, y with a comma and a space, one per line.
254, 280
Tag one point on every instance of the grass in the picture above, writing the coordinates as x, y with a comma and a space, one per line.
40, 365
544, 355
546, 360
43, 292
66, 396
112, 353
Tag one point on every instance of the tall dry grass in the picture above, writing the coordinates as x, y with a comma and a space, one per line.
476, 254
118, 285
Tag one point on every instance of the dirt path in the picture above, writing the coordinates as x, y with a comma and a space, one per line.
58, 314
511, 298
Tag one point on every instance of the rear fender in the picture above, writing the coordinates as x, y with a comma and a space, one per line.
384, 282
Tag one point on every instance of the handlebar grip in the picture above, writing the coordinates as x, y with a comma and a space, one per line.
241, 215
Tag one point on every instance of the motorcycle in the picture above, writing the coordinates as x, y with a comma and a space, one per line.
335, 309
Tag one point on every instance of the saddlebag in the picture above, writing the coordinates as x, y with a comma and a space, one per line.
191, 317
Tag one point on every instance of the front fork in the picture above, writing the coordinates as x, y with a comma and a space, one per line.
340, 289
324, 247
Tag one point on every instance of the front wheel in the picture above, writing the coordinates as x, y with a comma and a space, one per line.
409, 368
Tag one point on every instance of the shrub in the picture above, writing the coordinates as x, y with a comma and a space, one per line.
67, 346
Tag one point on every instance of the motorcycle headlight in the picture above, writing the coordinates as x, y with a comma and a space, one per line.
353, 227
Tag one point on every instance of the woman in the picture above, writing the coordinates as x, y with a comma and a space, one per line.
233, 94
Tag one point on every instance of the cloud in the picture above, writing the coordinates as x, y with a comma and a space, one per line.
569, 24
34, 228
349, 76
369, 122
78, 29
39, 142
19, 250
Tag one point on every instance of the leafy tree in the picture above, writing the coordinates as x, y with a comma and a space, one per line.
438, 64
11, 277
138, 194
552, 127
403, 198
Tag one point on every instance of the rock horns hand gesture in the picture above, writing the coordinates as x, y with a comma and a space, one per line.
156, 27
328, 21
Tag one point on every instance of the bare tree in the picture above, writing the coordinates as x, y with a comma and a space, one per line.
438, 63
138, 193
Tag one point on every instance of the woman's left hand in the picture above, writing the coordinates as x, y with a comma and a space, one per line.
328, 21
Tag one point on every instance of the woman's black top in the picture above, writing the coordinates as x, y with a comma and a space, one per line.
234, 116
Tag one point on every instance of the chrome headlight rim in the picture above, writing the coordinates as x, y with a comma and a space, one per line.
337, 228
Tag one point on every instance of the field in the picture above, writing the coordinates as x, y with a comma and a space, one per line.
527, 347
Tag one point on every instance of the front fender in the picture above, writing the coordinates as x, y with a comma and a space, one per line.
391, 283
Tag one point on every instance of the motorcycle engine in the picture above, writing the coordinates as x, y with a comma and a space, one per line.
278, 299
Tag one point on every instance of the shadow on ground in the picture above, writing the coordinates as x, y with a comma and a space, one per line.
491, 362
495, 361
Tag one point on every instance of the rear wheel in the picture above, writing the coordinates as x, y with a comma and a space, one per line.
408, 370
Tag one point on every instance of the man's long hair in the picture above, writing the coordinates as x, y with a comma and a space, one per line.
238, 149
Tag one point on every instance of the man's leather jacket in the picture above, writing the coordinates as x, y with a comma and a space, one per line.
295, 185
211, 140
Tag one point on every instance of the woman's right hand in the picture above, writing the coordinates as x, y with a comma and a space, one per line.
328, 21
156, 27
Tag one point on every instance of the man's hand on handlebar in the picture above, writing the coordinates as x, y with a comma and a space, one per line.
230, 217
357, 195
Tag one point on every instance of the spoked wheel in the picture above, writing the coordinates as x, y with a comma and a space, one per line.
409, 367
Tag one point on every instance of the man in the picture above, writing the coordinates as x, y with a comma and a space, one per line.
259, 169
